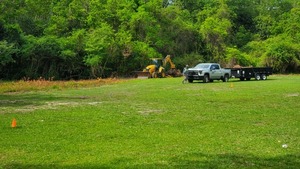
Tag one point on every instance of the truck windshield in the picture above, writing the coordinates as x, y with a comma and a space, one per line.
202, 66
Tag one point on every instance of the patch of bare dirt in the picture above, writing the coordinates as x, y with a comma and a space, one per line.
292, 95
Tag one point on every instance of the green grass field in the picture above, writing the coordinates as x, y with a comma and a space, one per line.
154, 123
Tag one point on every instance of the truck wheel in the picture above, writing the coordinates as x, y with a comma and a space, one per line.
205, 79
263, 77
257, 77
226, 78
190, 81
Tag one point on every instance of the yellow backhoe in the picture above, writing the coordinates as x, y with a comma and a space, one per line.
157, 69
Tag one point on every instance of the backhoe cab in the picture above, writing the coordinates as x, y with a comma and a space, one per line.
156, 69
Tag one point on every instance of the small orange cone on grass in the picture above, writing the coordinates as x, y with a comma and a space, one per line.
14, 123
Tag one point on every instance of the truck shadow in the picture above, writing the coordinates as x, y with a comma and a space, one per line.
231, 81
251, 80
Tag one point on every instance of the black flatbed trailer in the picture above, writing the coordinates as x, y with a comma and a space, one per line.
246, 73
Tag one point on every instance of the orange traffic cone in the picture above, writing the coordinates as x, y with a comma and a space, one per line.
14, 123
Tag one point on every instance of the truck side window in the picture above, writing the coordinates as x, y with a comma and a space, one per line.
217, 67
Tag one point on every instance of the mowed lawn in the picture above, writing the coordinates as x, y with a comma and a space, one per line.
154, 123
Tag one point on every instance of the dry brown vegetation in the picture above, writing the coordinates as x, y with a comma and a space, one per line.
44, 84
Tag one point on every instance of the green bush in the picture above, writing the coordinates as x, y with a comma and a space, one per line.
282, 54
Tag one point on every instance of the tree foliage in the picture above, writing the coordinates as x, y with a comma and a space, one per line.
6, 53
73, 39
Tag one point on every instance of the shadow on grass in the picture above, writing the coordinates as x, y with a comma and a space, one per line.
22, 100
197, 160
252, 80
232, 80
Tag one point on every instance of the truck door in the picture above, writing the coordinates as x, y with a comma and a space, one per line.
216, 72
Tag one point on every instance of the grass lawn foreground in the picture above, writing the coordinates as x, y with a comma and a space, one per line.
153, 123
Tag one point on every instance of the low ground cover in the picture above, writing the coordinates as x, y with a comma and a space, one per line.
153, 123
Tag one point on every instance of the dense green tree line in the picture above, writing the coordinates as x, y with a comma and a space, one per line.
74, 39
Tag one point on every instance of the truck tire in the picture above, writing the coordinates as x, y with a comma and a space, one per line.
190, 81
263, 77
205, 79
257, 77
226, 78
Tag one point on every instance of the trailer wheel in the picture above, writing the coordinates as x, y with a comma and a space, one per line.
263, 77
257, 77
242, 78
205, 79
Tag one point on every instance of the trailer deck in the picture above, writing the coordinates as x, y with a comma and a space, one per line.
259, 73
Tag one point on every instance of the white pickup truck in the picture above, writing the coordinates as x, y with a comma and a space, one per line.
208, 72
